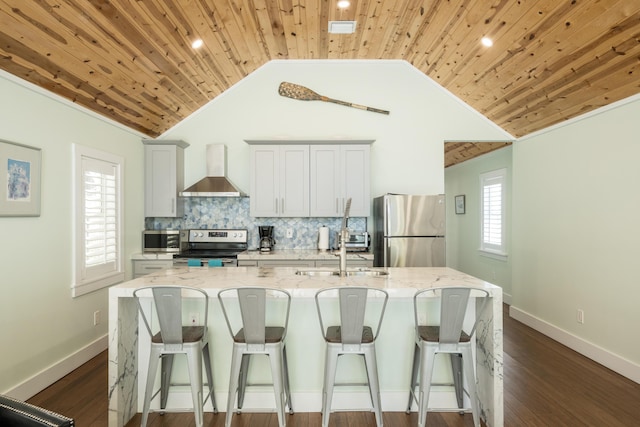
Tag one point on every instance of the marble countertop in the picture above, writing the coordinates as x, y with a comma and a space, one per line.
400, 282
300, 254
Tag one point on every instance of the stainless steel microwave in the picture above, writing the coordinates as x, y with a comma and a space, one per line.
165, 241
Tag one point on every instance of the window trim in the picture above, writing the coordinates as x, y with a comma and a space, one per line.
82, 283
486, 249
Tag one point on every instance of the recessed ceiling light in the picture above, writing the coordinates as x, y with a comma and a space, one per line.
486, 41
197, 44
342, 27
343, 4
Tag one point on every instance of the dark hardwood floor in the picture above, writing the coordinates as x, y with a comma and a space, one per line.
545, 384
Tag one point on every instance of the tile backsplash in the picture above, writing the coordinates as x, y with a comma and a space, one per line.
233, 212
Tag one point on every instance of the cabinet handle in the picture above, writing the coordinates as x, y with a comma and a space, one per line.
283, 205
276, 205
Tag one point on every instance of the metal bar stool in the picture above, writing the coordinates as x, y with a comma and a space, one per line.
442, 325
246, 311
351, 336
170, 336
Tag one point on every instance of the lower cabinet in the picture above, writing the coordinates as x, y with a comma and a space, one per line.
143, 267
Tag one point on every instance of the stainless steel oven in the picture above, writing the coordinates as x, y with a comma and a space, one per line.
201, 245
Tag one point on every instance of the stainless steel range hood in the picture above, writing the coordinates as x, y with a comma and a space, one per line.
216, 183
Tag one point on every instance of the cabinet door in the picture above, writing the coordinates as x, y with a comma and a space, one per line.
325, 175
280, 180
265, 180
163, 180
143, 267
356, 178
337, 173
294, 180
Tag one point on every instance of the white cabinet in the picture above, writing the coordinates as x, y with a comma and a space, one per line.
339, 172
143, 267
279, 181
164, 177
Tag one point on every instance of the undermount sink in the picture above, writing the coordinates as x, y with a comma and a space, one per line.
349, 272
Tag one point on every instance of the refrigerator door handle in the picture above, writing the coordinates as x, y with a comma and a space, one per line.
387, 253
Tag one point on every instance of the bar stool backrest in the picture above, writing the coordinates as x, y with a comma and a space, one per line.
453, 309
252, 307
353, 302
168, 302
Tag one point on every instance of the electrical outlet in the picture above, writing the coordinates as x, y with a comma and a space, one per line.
96, 318
580, 317
194, 319
289, 233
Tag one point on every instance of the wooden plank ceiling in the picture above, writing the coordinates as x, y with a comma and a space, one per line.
132, 60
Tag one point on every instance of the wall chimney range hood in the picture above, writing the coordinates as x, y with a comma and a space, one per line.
216, 183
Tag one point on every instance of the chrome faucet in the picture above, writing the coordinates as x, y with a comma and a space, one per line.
344, 235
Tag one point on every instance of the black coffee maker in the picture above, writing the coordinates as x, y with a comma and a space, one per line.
266, 238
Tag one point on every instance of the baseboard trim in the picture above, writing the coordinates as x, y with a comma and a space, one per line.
598, 354
53, 373
442, 399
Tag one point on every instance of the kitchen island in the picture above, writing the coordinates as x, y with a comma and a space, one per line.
128, 351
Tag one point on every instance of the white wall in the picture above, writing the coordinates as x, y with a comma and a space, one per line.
463, 230
408, 155
575, 233
42, 326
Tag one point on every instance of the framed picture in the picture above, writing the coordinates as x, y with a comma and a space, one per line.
19, 179
459, 204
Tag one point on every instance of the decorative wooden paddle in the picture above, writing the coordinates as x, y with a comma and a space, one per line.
294, 91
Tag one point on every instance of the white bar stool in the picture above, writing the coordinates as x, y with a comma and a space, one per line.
170, 336
442, 325
252, 336
351, 336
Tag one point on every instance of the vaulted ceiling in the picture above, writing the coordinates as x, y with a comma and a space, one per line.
132, 60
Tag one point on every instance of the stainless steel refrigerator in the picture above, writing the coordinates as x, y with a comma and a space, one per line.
409, 231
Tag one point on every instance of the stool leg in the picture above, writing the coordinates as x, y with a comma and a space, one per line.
374, 387
330, 364
275, 357
426, 364
456, 368
209, 372
148, 391
414, 376
236, 361
287, 388
166, 366
242, 380
194, 363
469, 371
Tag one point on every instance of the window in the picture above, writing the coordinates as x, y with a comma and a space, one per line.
98, 229
492, 212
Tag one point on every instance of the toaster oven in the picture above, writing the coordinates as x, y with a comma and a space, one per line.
357, 241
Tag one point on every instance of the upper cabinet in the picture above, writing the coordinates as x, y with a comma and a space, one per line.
339, 172
309, 180
164, 177
279, 180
